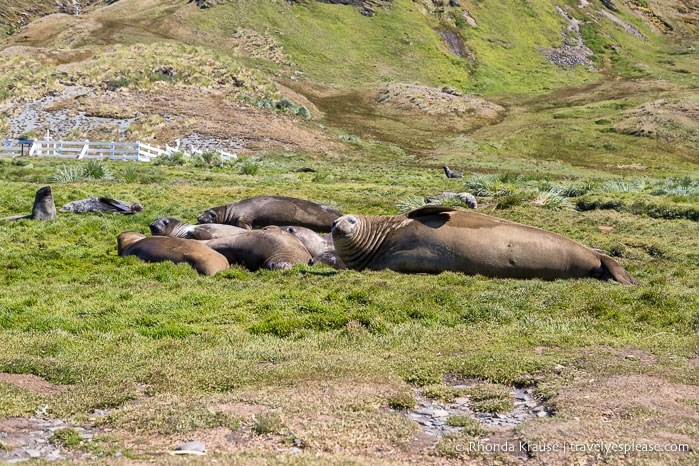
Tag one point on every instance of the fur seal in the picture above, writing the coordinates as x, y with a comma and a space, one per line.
258, 212
434, 239
272, 248
168, 226
43, 208
450, 173
102, 204
163, 248
467, 199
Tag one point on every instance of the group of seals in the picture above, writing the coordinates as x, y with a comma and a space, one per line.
228, 230
429, 239
43, 208
434, 239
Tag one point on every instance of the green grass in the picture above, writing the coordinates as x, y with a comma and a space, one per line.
170, 353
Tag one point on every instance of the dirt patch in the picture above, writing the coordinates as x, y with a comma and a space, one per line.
412, 98
624, 418
31, 383
664, 119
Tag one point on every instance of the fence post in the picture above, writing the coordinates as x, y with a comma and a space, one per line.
86, 148
111, 155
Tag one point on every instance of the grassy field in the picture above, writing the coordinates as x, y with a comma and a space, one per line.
160, 347
318, 366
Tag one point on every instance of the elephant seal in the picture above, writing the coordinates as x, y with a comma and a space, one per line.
163, 248
43, 208
168, 226
315, 243
434, 239
272, 248
102, 204
258, 212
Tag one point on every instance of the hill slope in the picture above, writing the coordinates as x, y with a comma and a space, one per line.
531, 59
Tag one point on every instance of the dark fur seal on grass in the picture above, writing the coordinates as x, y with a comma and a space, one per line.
168, 226
43, 209
450, 173
102, 204
258, 212
204, 260
272, 248
435, 239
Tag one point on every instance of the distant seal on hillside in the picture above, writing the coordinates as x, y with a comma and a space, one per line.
43, 208
315, 243
272, 248
434, 239
258, 212
203, 259
450, 173
102, 204
168, 226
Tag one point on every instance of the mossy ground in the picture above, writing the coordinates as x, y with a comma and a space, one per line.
172, 355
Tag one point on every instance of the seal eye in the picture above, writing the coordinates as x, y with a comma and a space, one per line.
351, 220
166, 222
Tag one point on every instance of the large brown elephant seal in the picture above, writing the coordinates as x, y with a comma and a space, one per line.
434, 239
168, 226
258, 212
271, 248
203, 259
102, 204
43, 209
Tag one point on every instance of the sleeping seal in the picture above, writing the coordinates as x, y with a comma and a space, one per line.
315, 243
43, 208
163, 248
434, 239
271, 248
258, 212
102, 204
168, 226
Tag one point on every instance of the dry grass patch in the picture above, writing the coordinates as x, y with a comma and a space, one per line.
622, 411
31, 383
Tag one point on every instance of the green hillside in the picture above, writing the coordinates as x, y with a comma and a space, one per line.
493, 47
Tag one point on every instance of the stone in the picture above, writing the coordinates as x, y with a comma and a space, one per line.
191, 448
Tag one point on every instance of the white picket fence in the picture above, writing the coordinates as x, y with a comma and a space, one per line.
136, 151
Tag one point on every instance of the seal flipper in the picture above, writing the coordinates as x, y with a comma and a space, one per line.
118, 206
612, 270
429, 210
